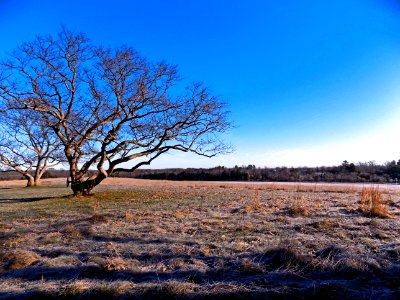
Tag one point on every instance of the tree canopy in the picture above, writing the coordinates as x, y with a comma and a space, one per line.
111, 109
27, 145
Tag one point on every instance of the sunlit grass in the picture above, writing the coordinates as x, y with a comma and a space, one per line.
192, 239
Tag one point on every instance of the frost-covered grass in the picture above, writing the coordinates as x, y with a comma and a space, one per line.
192, 240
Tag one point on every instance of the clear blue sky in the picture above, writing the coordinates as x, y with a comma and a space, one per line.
309, 82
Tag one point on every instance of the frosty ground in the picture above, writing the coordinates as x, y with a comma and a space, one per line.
152, 239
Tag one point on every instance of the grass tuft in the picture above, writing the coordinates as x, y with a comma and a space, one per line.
251, 267
176, 288
285, 258
372, 203
299, 207
75, 289
18, 259
52, 237
254, 203
71, 232
129, 217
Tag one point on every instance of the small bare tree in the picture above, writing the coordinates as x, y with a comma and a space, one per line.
27, 145
111, 109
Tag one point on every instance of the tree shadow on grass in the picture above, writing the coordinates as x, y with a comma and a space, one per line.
27, 199
24, 200
275, 284
278, 273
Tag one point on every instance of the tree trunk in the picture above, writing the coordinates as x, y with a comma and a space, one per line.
31, 180
85, 187
38, 172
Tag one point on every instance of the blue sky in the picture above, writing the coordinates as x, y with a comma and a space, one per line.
308, 82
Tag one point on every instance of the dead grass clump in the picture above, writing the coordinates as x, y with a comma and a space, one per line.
339, 260
226, 287
180, 214
248, 266
104, 291
85, 230
299, 207
176, 288
18, 259
52, 237
98, 218
129, 217
177, 263
331, 252
240, 246
281, 219
4, 227
13, 241
63, 261
122, 287
253, 204
353, 266
71, 232
325, 224
96, 260
156, 229
206, 250
76, 288
285, 259
372, 203
117, 264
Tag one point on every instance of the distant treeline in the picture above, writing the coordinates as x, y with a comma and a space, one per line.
51, 173
346, 172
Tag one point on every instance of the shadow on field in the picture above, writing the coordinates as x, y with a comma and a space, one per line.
18, 195
278, 273
24, 200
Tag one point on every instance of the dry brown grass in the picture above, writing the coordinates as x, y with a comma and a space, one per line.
129, 217
75, 289
176, 288
373, 204
253, 204
52, 237
18, 259
249, 266
299, 207
71, 232
117, 263
163, 239
5, 227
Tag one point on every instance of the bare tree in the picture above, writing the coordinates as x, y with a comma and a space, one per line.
111, 109
27, 145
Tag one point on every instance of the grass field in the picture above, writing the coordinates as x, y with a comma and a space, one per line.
145, 240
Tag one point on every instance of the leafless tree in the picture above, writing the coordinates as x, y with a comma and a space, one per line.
111, 109
27, 145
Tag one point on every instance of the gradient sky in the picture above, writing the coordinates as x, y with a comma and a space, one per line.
308, 82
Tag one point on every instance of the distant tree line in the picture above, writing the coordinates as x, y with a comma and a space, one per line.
346, 172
